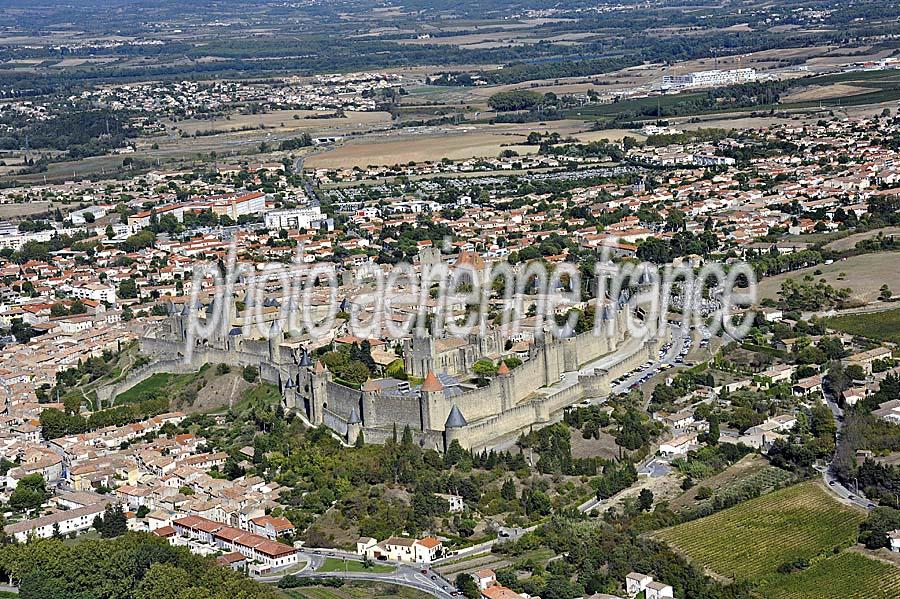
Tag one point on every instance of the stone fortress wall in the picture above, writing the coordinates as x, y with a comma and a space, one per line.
107, 393
525, 397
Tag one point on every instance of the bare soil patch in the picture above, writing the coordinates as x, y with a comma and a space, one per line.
604, 447
219, 391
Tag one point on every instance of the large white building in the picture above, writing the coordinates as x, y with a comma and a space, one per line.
80, 217
713, 78
10, 237
294, 218
233, 206
97, 292
62, 522
238, 205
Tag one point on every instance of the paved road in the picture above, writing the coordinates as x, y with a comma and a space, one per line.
834, 485
404, 575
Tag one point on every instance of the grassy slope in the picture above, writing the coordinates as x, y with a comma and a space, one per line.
159, 385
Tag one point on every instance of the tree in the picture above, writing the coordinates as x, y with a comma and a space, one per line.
712, 437
508, 490
454, 454
163, 580
832, 347
133, 566
536, 503
855, 372
885, 293
250, 373
675, 221
360, 440
836, 380
407, 439
232, 469
518, 99
645, 500
655, 250
128, 289
632, 433
467, 585
881, 520
113, 523
39, 585
484, 368
30, 493
139, 241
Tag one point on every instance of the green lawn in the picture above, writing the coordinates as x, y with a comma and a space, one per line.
315, 593
750, 540
848, 575
159, 385
334, 564
876, 325
356, 590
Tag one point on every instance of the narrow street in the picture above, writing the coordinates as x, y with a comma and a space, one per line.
845, 494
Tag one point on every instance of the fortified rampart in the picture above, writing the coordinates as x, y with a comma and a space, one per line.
513, 401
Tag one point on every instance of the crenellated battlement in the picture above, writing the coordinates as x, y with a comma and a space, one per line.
530, 395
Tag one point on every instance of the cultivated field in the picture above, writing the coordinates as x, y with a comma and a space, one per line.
448, 141
875, 325
420, 148
863, 274
24, 210
750, 540
285, 121
751, 469
847, 575
836, 90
